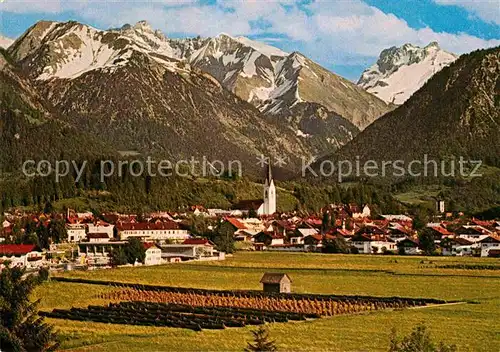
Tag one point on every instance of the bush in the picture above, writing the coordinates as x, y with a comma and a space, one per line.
43, 275
419, 340
20, 327
261, 341
336, 245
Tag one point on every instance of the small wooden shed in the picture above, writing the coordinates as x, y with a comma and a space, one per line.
276, 282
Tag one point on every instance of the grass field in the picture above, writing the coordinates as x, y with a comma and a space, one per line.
473, 326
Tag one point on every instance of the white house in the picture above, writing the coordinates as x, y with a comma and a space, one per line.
296, 238
456, 246
489, 243
195, 248
153, 254
76, 232
357, 212
409, 246
265, 239
23, 255
373, 244
101, 227
97, 237
97, 253
158, 231
473, 233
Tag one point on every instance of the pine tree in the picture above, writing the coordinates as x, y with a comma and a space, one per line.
261, 341
333, 220
135, 251
21, 328
325, 223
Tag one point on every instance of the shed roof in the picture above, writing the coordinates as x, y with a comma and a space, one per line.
274, 278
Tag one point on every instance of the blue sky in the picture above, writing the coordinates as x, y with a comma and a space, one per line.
345, 36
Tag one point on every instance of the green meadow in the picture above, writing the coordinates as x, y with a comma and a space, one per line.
472, 325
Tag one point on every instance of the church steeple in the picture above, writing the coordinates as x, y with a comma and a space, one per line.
269, 174
269, 193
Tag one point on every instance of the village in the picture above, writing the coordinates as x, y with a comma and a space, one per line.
88, 241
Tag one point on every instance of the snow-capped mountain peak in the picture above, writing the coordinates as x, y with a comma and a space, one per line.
400, 72
143, 26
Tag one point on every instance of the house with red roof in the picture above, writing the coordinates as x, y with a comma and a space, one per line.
157, 231
373, 243
265, 239
398, 231
23, 255
491, 242
409, 246
314, 242
76, 232
439, 233
236, 223
456, 246
488, 224
241, 231
474, 233
101, 227
199, 241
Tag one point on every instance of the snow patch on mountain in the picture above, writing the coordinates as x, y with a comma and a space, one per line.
262, 48
80, 50
302, 134
400, 72
5, 42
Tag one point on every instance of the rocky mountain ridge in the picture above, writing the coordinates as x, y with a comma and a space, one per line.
5, 42
400, 72
105, 85
266, 77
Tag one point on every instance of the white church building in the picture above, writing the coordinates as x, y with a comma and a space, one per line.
269, 205
266, 205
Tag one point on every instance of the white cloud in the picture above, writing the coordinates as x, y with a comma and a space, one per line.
488, 10
58, 6
369, 33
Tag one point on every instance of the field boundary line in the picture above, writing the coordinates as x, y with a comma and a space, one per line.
438, 305
378, 271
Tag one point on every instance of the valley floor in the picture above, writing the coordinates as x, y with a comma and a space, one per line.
472, 326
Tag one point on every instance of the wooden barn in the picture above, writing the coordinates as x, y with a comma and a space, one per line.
276, 283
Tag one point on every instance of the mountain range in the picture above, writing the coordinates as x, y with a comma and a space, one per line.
225, 97
133, 89
70, 91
